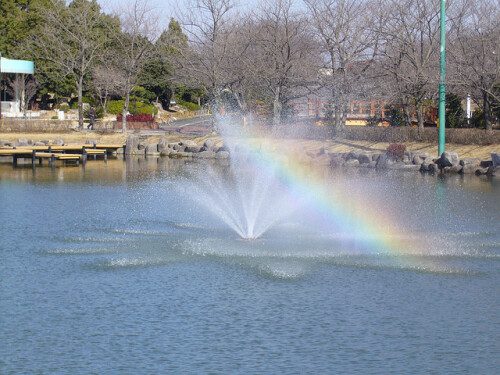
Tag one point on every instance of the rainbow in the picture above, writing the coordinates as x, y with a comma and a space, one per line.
368, 224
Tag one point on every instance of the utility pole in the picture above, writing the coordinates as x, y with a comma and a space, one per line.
442, 78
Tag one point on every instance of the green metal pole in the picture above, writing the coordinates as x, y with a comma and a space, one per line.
442, 79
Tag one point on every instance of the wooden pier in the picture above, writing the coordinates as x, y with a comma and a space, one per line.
74, 154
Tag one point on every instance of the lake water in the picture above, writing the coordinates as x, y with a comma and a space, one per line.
114, 269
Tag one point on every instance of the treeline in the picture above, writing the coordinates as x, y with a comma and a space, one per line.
263, 58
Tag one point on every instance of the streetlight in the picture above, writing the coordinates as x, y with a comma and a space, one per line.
442, 78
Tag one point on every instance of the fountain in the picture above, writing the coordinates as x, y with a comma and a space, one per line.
250, 194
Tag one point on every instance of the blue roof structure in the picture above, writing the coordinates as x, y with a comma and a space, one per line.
16, 66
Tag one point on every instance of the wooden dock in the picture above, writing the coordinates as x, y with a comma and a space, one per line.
75, 154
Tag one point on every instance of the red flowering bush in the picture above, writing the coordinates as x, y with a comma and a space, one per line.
137, 118
396, 150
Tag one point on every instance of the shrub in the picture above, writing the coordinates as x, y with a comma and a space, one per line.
190, 106
115, 107
64, 107
396, 150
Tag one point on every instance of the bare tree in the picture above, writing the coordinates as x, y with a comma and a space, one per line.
206, 59
23, 87
475, 52
134, 44
72, 39
285, 55
348, 33
107, 80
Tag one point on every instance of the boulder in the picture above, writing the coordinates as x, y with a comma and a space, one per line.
428, 167
179, 148
473, 162
209, 145
162, 146
188, 143
322, 159
406, 159
352, 163
152, 149
171, 145
375, 157
120, 151
364, 157
142, 145
59, 142
453, 169
448, 159
486, 163
222, 155
336, 161
493, 171
132, 145
192, 148
495, 159
22, 142
481, 171
39, 143
384, 161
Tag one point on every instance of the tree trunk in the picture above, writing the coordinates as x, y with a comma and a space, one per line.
420, 117
80, 101
125, 111
486, 111
277, 107
406, 110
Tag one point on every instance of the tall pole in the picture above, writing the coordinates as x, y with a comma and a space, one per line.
442, 79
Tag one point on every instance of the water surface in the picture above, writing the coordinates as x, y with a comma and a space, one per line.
114, 269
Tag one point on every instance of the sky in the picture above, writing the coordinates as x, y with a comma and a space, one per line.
166, 8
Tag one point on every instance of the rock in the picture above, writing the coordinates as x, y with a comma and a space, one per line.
22, 142
495, 159
179, 148
132, 145
172, 145
39, 144
448, 159
352, 163
375, 157
453, 169
364, 158
223, 148
336, 161
419, 159
91, 142
352, 155
59, 142
384, 161
428, 167
209, 145
189, 143
469, 169
152, 149
222, 155
486, 163
372, 164
322, 159
493, 171
406, 159
162, 145
205, 155
120, 151
481, 171
192, 148
474, 162
142, 146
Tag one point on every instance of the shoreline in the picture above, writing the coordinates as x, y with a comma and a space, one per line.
418, 156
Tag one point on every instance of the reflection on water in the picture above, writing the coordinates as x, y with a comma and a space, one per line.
113, 268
